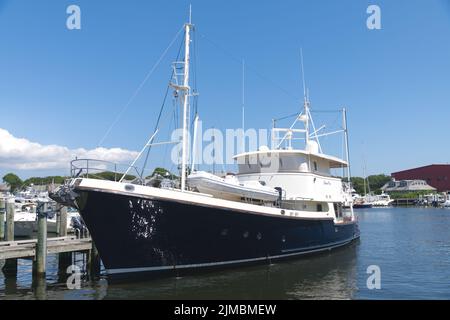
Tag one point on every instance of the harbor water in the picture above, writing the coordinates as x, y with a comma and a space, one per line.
410, 246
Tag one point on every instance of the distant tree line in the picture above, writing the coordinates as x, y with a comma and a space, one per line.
15, 183
376, 182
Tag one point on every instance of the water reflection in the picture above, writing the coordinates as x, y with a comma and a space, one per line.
326, 276
410, 245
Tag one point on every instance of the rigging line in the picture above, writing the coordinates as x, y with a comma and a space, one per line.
167, 120
139, 88
195, 100
161, 110
288, 117
326, 111
250, 68
174, 122
156, 129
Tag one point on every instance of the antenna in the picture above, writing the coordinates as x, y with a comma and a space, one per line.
243, 104
190, 14
305, 97
303, 77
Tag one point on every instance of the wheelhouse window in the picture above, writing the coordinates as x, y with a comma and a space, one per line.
315, 166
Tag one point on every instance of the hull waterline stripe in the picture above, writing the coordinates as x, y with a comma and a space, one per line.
212, 264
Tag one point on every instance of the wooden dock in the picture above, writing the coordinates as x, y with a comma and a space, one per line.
405, 202
27, 248
38, 249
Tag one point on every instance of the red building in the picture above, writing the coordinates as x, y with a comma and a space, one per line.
436, 175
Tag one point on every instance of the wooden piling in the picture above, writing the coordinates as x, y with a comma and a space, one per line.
62, 221
39, 285
2, 218
10, 268
65, 258
58, 219
41, 247
10, 211
94, 261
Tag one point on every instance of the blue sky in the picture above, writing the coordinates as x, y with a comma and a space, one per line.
66, 88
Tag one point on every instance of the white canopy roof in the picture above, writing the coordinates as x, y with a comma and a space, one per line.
333, 161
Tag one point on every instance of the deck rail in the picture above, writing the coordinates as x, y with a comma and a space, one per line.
97, 168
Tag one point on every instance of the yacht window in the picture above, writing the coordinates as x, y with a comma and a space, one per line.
315, 166
319, 207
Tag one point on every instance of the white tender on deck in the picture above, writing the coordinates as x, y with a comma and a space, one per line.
230, 187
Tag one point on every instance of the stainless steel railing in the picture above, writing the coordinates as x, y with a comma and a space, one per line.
101, 169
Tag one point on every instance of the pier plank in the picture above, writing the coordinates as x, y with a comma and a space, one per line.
27, 248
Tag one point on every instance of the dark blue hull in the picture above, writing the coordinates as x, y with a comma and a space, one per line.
154, 237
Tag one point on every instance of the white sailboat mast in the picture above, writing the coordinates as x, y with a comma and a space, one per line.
187, 94
306, 102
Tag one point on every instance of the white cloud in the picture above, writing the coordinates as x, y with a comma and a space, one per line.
22, 154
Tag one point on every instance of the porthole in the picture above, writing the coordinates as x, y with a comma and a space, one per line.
129, 187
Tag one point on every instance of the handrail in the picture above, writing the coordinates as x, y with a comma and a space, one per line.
93, 167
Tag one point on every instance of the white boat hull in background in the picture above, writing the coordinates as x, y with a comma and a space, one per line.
25, 224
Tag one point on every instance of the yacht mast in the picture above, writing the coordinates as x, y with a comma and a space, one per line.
347, 151
306, 102
187, 93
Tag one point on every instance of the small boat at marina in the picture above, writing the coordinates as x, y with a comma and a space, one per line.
25, 224
446, 202
376, 200
25, 216
362, 205
382, 200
